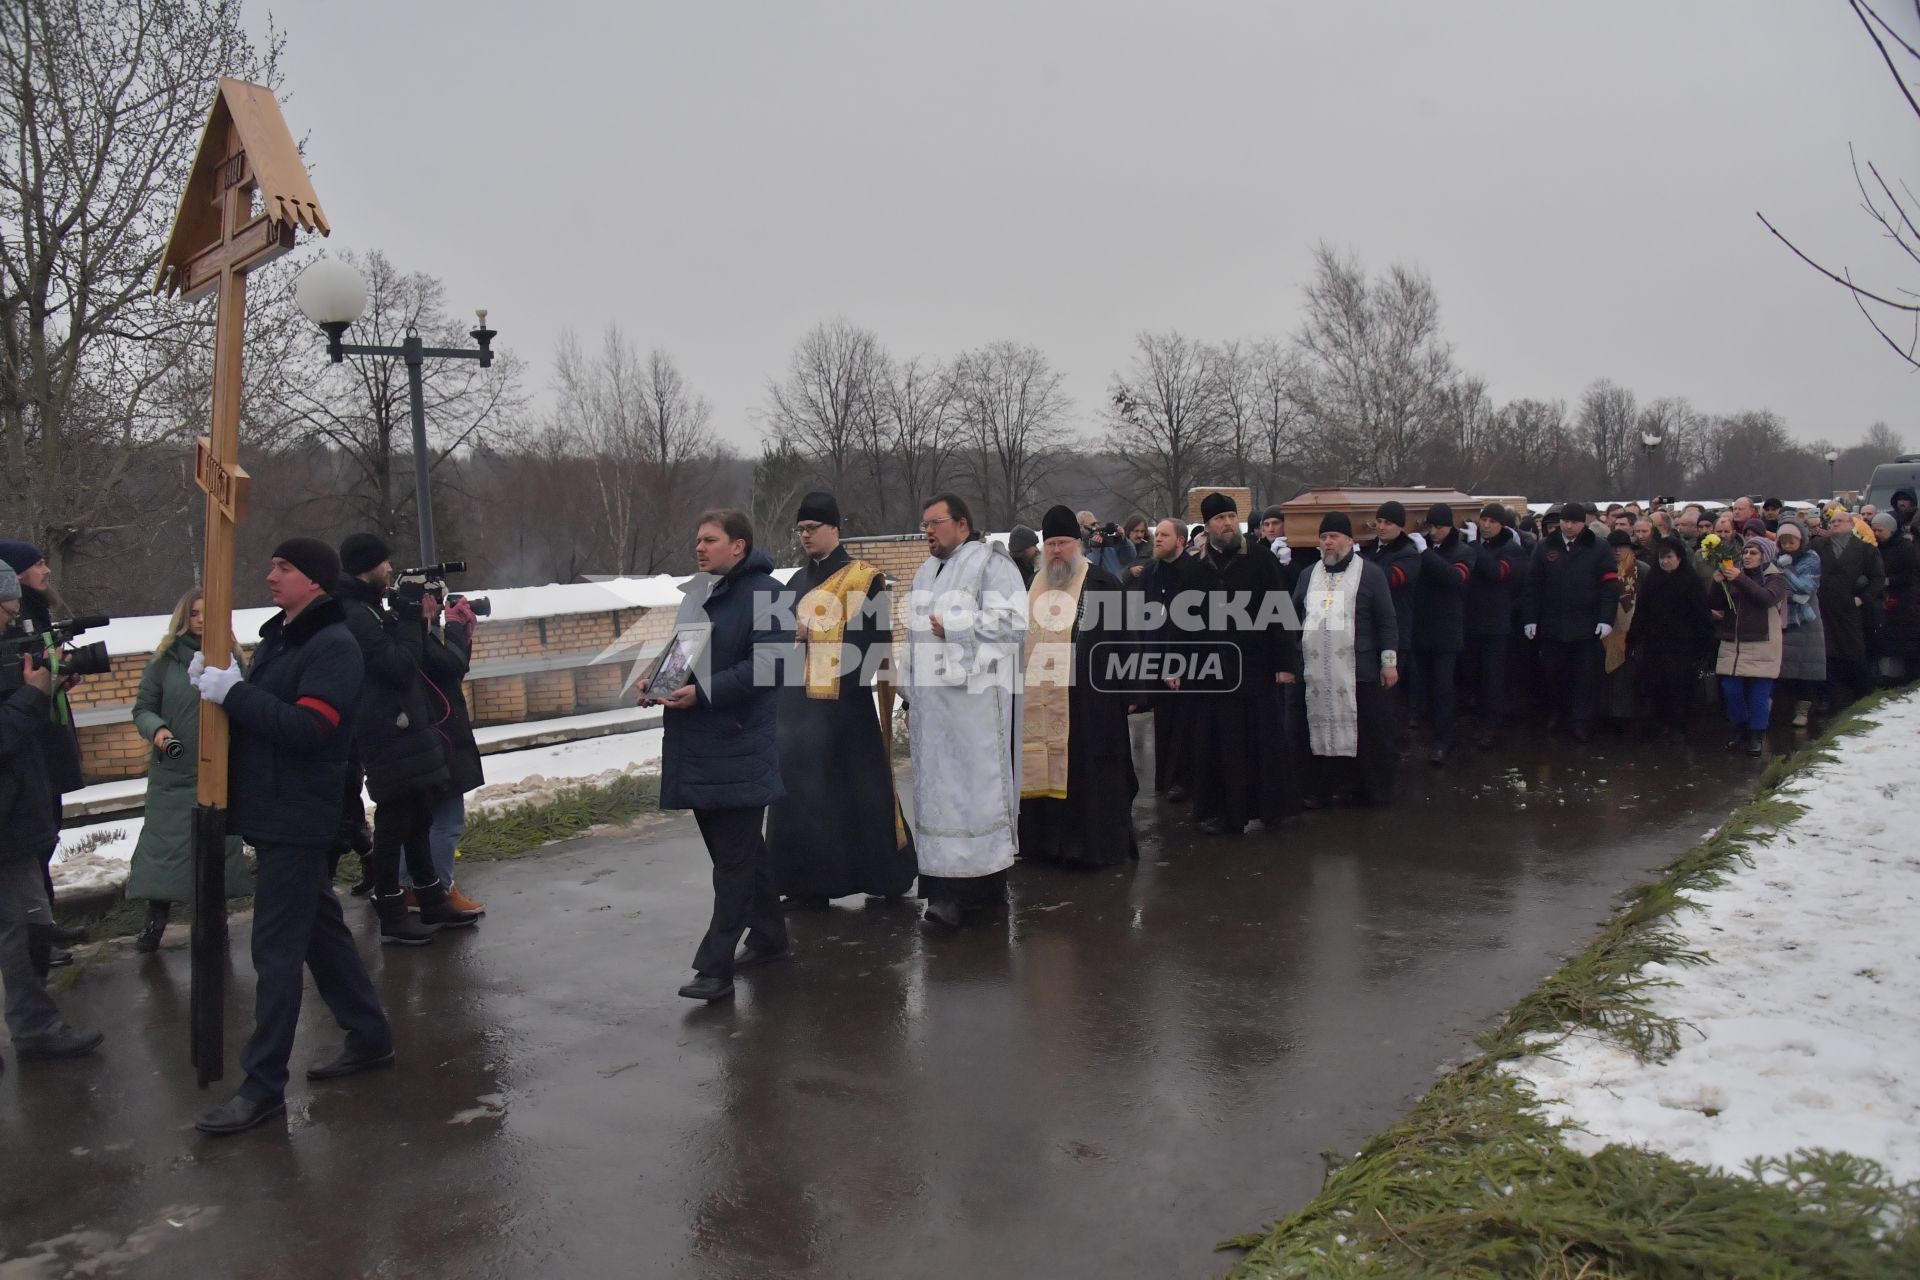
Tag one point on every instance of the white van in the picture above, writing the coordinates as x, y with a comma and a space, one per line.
1889, 477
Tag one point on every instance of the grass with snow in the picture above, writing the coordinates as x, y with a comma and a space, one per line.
1475, 1181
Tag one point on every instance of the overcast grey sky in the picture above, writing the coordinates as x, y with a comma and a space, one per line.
1579, 180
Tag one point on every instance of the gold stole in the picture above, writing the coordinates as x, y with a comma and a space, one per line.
821, 625
1051, 613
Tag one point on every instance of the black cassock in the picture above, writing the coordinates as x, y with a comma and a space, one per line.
839, 831
1244, 764
1093, 826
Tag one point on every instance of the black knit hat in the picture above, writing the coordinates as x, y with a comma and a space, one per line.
361, 552
1393, 513
820, 506
1022, 539
1336, 522
1059, 522
1214, 503
1440, 514
1574, 512
313, 558
1494, 511
1274, 513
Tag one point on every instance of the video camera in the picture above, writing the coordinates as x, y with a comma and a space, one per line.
86, 660
411, 585
1105, 533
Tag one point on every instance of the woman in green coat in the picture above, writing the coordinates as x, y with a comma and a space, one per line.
167, 714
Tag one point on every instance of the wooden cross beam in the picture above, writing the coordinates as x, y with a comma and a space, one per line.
246, 200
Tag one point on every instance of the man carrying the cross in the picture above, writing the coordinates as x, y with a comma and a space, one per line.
292, 723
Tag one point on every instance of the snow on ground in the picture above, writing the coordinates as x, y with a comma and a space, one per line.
514, 777
1803, 1031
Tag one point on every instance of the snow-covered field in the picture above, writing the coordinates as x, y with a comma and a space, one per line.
1804, 1030
513, 777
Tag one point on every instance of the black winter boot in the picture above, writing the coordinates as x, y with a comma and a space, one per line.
399, 928
435, 911
150, 933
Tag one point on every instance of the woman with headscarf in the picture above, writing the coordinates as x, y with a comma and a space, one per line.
1673, 634
166, 711
1747, 598
1803, 656
1621, 695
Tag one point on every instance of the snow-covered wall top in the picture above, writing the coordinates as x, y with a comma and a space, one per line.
658, 591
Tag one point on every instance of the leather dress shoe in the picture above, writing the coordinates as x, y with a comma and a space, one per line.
708, 989
754, 957
238, 1114
62, 1042
349, 1062
942, 912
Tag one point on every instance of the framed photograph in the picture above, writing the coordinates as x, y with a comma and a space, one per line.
674, 665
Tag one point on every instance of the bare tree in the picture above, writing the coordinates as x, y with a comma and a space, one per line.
1166, 422
1534, 453
823, 407
1896, 213
1375, 368
1013, 419
101, 108
1682, 448
1608, 428
361, 408
648, 438
1278, 419
916, 432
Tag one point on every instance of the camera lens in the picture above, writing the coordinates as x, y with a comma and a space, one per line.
88, 660
481, 606
174, 749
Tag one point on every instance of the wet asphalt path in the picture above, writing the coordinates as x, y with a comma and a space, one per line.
1126, 1068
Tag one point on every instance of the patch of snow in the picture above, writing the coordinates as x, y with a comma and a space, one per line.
1802, 1031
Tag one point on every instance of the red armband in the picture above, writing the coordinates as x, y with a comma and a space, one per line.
320, 707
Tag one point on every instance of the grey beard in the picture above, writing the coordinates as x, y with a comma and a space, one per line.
1329, 558
1058, 574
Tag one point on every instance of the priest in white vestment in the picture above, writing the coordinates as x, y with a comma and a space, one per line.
966, 633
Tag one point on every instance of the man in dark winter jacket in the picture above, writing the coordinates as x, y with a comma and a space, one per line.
29, 830
1852, 583
448, 654
1439, 626
1398, 556
404, 757
1573, 593
292, 719
59, 739
720, 757
1493, 592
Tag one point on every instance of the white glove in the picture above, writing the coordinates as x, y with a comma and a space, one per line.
215, 683
1528, 630
1602, 630
195, 667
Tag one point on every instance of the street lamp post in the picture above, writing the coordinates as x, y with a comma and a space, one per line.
333, 295
1650, 441
1832, 456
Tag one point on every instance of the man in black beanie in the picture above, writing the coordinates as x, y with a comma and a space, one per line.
1439, 627
293, 719
1398, 556
839, 830
1023, 545
1573, 593
395, 742
1493, 597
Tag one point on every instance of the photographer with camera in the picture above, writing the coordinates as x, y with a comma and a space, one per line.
404, 756
39, 602
449, 651
1107, 547
29, 830
166, 711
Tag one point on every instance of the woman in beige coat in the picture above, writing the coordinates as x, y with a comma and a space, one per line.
1747, 598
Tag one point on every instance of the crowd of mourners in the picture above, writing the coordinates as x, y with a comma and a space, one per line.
1019, 669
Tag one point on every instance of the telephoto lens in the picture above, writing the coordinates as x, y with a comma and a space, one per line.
481, 606
87, 660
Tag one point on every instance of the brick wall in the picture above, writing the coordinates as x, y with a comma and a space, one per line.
117, 750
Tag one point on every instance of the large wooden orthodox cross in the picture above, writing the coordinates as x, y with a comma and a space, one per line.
247, 198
